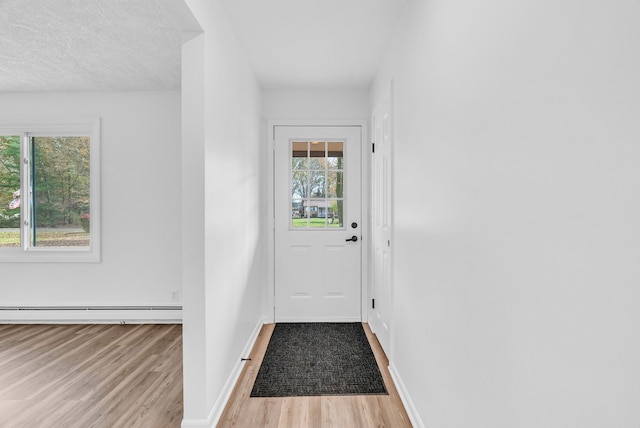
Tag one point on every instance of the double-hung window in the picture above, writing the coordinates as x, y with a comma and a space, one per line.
49, 192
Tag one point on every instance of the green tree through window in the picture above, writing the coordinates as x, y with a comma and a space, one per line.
46, 191
9, 190
60, 189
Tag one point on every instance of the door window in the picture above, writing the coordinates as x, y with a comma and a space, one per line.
317, 185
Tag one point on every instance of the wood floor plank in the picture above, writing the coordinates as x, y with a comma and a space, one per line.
300, 412
131, 376
90, 376
379, 411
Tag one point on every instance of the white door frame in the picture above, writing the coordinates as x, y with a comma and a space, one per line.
366, 215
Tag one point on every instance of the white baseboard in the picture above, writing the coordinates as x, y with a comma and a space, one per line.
216, 412
198, 423
414, 417
92, 315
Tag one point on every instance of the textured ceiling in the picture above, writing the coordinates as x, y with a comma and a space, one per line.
314, 43
81, 45
73, 45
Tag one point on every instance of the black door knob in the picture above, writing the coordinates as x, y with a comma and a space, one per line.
354, 238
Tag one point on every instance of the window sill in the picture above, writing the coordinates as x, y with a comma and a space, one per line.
18, 255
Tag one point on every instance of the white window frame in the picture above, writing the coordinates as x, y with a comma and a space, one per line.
27, 253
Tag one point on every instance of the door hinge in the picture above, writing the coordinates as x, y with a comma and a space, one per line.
373, 303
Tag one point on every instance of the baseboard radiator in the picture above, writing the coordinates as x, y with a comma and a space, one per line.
91, 314
90, 308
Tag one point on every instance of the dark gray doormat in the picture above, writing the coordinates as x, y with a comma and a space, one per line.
304, 359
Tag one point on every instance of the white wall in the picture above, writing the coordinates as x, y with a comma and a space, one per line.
140, 190
224, 169
300, 104
517, 240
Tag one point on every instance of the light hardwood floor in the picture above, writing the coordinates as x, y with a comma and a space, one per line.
356, 411
90, 376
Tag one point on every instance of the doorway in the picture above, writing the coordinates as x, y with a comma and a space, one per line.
317, 200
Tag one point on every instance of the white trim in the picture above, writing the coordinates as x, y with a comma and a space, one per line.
365, 218
216, 411
89, 126
364, 207
414, 417
218, 408
160, 314
197, 423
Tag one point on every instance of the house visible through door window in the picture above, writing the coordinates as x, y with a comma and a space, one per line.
49, 194
317, 184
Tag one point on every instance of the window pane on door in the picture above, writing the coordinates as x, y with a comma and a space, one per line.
335, 213
10, 191
335, 185
317, 155
298, 217
60, 180
299, 184
317, 195
335, 155
299, 155
318, 180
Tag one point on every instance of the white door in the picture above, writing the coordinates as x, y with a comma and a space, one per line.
381, 219
317, 223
